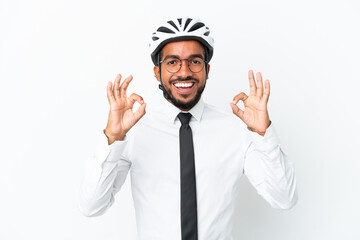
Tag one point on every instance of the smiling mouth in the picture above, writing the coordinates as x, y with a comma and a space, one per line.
184, 84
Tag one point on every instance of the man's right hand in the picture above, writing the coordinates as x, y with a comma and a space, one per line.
121, 116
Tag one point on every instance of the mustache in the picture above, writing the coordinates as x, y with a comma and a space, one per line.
184, 79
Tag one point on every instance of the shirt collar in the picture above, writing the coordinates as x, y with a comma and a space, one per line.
171, 111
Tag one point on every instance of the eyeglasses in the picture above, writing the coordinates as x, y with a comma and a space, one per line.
173, 64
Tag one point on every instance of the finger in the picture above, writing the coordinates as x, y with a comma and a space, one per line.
140, 112
124, 86
259, 83
252, 83
135, 98
116, 86
109, 92
237, 111
241, 96
267, 90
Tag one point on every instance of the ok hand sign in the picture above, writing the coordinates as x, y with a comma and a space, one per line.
255, 114
121, 115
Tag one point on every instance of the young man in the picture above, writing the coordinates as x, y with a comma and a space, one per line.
186, 157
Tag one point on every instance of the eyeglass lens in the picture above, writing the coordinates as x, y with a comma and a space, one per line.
173, 65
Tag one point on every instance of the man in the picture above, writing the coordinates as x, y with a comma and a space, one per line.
186, 157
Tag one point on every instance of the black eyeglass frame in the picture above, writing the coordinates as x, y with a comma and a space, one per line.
187, 63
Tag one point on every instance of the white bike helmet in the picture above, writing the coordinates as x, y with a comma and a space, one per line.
180, 29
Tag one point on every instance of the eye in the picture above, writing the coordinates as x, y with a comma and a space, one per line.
196, 61
172, 61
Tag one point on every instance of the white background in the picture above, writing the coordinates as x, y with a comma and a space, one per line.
56, 58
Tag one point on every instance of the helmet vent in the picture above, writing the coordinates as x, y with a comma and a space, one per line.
196, 26
181, 29
173, 24
165, 30
187, 23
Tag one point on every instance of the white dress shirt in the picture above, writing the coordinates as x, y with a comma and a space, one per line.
224, 150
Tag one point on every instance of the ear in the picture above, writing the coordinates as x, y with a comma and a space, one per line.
157, 73
207, 71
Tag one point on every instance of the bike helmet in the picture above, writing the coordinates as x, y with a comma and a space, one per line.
180, 29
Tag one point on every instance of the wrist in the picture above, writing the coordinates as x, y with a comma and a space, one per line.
260, 132
113, 137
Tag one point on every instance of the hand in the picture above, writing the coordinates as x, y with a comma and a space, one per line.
121, 116
255, 114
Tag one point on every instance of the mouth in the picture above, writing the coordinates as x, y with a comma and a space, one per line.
184, 87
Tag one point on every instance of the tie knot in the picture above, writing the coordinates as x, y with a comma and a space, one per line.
184, 118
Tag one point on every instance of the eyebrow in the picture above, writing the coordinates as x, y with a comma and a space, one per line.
191, 56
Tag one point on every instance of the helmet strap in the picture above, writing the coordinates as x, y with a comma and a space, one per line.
206, 60
161, 86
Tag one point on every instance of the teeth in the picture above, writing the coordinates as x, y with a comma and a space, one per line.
183, 85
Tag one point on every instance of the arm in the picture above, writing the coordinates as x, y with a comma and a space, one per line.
104, 175
107, 169
266, 166
270, 171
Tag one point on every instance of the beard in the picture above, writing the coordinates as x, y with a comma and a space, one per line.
184, 105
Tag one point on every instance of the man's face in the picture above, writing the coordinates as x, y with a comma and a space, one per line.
183, 87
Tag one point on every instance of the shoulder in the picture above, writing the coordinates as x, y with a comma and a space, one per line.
154, 118
211, 112
225, 123
225, 118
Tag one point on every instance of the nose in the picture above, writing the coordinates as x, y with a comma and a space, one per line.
184, 68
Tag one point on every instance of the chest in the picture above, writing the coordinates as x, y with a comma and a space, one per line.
155, 153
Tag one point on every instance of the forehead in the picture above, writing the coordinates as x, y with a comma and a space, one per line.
183, 49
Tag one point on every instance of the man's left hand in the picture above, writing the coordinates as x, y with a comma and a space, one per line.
255, 114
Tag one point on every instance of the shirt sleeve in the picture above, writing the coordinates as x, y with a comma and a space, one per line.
105, 173
269, 170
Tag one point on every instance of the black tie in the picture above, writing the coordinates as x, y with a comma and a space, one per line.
189, 230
